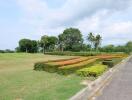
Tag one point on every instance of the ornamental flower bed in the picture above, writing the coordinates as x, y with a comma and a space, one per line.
73, 61
64, 59
72, 68
67, 66
52, 66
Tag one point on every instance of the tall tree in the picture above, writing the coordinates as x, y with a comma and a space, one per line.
91, 39
52, 41
25, 45
71, 36
61, 42
128, 47
44, 42
34, 47
97, 41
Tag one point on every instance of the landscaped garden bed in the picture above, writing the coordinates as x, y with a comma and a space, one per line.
63, 66
68, 66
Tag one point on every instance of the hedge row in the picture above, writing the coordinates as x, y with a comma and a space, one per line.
69, 53
111, 62
63, 59
52, 66
110, 56
93, 71
72, 61
72, 68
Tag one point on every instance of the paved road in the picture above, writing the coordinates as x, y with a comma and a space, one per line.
120, 87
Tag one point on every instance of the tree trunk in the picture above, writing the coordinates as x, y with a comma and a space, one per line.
26, 50
62, 49
43, 49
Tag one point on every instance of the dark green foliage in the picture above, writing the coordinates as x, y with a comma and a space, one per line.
34, 47
109, 63
47, 43
6, 51
127, 48
2, 51
39, 66
108, 48
42, 66
27, 45
69, 38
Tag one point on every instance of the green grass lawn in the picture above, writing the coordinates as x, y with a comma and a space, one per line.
18, 80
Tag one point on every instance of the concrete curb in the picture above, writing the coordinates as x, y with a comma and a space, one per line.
89, 92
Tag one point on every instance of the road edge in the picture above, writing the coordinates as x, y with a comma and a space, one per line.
89, 92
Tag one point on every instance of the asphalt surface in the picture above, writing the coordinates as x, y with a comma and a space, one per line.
120, 87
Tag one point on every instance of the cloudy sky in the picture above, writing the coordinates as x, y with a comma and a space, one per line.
34, 18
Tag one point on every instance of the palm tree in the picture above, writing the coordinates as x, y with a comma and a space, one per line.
61, 42
44, 41
97, 41
91, 38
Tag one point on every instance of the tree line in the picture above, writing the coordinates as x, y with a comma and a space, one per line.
70, 40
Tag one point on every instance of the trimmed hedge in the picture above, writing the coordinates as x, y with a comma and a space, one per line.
53, 66
111, 56
49, 67
39, 66
65, 59
69, 53
73, 61
93, 71
72, 68
111, 62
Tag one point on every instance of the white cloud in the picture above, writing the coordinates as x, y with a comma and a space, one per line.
87, 15
70, 12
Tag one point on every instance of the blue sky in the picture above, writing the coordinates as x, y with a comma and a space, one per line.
34, 18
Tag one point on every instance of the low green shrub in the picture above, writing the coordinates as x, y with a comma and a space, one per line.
39, 66
93, 71
111, 62
108, 63
72, 68
42, 66
108, 60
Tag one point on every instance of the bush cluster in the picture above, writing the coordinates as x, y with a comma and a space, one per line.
93, 71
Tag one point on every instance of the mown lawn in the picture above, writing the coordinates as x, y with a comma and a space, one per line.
18, 80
